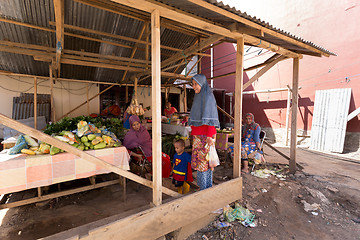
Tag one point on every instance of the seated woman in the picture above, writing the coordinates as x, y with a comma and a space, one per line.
250, 141
169, 110
138, 136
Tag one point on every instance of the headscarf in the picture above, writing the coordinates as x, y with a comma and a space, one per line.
134, 139
252, 125
203, 110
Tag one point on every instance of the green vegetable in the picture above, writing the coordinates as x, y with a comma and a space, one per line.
86, 148
81, 147
91, 137
54, 150
91, 146
84, 139
75, 145
117, 144
100, 145
87, 144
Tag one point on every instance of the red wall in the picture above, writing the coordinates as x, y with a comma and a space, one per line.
330, 24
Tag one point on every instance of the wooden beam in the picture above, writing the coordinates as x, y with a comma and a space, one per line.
238, 106
156, 222
185, 99
242, 28
59, 18
156, 107
262, 71
35, 102
129, 39
294, 108
82, 154
135, 48
224, 112
254, 25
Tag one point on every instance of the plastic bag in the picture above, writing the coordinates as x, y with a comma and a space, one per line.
213, 157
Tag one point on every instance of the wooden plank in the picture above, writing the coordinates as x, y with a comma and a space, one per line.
56, 195
255, 25
35, 102
156, 107
86, 156
194, 226
262, 71
59, 19
158, 221
294, 108
353, 114
238, 106
185, 99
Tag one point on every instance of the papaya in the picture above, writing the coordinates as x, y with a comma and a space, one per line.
54, 150
27, 151
91, 137
97, 140
100, 145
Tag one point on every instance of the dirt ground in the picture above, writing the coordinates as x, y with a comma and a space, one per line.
330, 184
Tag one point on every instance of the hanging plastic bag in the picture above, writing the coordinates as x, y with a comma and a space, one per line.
212, 156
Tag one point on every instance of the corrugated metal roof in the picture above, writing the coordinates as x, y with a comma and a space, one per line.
41, 13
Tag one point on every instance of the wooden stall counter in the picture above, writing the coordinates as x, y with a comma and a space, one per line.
20, 172
173, 129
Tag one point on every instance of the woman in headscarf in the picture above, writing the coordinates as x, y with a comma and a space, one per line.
250, 140
138, 136
203, 120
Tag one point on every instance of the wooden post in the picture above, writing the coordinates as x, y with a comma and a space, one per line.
294, 107
126, 94
87, 98
166, 95
52, 118
287, 116
156, 106
238, 106
35, 102
185, 99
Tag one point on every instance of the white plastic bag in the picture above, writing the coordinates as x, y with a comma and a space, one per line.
213, 157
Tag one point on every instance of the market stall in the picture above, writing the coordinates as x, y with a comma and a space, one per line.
173, 129
21, 171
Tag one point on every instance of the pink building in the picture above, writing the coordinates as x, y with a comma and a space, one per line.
332, 24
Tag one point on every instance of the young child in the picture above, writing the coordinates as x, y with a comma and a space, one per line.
182, 168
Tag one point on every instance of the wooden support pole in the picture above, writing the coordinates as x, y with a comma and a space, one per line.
185, 99
126, 94
87, 98
238, 106
294, 107
59, 18
156, 106
52, 117
35, 102
39, 191
82, 154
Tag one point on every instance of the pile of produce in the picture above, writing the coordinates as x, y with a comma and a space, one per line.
135, 108
85, 136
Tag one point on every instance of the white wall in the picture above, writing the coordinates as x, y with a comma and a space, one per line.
67, 95
144, 97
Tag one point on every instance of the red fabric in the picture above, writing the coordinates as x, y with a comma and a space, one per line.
209, 131
169, 112
189, 176
166, 165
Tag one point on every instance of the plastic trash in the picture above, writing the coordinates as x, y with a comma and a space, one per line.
223, 224
239, 213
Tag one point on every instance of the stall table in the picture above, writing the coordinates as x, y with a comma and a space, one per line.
20, 172
173, 129
222, 140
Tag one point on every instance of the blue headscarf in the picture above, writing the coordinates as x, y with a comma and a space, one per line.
203, 110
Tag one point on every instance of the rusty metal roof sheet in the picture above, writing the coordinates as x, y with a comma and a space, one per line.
41, 13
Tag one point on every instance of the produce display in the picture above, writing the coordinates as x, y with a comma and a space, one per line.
85, 136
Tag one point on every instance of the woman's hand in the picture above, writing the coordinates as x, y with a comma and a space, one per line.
209, 141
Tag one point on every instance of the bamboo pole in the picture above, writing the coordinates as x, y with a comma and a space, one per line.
287, 115
185, 99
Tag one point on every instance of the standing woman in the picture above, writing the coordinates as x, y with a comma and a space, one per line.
203, 120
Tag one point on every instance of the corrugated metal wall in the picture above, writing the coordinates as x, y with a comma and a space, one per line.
330, 119
23, 106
